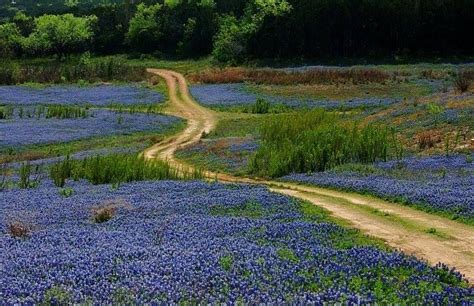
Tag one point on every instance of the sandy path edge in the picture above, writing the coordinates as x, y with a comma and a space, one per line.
402, 227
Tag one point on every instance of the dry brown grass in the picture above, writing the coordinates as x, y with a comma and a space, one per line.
107, 210
19, 229
427, 140
463, 80
104, 213
280, 77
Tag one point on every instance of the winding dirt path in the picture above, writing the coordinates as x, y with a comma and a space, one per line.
435, 239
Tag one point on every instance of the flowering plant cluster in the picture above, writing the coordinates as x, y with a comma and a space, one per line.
17, 132
436, 183
230, 95
97, 95
178, 242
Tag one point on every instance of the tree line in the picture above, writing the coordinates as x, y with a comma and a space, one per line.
235, 31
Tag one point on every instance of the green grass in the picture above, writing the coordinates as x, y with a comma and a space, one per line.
241, 126
316, 141
402, 201
181, 66
226, 262
346, 92
287, 254
251, 209
116, 169
208, 161
345, 239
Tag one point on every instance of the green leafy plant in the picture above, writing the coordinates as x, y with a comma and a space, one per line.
66, 192
29, 175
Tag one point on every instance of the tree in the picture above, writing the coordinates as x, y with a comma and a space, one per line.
24, 23
144, 31
231, 43
10, 39
60, 34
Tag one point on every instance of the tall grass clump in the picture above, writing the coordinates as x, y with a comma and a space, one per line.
29, 175
261, 106
317, 141
61, 171
66, 112
463, 80
6, 112
116, 169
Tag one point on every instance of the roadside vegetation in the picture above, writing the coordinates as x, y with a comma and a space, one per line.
317, 141
117, 169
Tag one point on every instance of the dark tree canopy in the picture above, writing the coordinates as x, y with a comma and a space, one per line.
239, 30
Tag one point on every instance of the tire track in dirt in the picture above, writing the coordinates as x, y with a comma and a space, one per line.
402, 227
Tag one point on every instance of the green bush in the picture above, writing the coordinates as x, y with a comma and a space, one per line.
59, 172
316, 141
9, 73
261, 106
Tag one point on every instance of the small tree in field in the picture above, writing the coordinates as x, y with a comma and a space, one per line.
9, 39
60, 34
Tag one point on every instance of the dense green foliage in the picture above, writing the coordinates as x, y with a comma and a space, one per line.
47, 34
115, 169
239, 30
317, 141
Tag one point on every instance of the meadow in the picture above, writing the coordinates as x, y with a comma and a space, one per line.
234, 152
179, 242
430, 124
86, 218
87, 94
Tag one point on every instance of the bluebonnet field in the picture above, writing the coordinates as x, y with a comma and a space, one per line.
98, 95
231, 95
198, 242
436, 183
80, 155
17, 132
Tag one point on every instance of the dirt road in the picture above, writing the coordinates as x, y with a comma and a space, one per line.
426, 236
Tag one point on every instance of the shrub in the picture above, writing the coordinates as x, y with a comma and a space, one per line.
6, 112
103, 213
66, 112
9, 73
29, 176
462, 81
18, 229
427, 140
